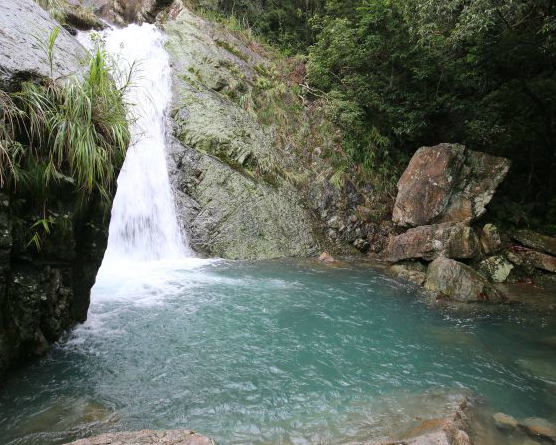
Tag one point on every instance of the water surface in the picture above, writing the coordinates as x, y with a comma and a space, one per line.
274, 352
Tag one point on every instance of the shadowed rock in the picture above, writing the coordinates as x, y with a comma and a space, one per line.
535, 240
447, 183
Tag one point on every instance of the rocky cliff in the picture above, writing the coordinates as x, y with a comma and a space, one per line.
49, 254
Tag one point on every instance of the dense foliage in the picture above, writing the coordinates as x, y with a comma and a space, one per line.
399, 74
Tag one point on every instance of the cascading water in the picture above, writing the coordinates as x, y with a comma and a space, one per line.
144, 224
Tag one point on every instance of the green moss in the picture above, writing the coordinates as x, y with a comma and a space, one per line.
228, 47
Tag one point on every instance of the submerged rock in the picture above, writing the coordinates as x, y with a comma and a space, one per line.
162, 437
459, 282
450, 430
535, 240
451, 240
541, 428
447, 183
505, 421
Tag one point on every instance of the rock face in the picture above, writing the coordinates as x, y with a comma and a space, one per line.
447, 183
176, 437
226, 172
42, 292
535, 240
532, 259
25, 31
452, 240
459, 282
490, 239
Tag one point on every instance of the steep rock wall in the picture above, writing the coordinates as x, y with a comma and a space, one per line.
231, 196
45, 291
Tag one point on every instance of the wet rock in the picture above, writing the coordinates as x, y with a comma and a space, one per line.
451, 240
459, 282
26, 27
535, 240
450, 430
414, 271
538, 427
505, 421
496, 268
532, 259
325, 257
162, 437
447, 183
490, 239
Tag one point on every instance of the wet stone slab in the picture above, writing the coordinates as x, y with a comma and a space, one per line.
174, 437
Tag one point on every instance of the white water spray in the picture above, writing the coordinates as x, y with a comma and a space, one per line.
144, 224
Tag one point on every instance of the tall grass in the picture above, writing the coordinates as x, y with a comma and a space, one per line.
75, 127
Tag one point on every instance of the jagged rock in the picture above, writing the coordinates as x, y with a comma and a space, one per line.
490, 239
410, 270
496, 268
26, 28
459, 282
505, 421
532, 259
447, 183
224, 165
162, 437
451, 240
535, 240
537, 427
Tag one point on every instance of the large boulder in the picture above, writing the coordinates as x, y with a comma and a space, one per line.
151, 437
459, 282
25, 30
447, 183
535, 240
496, 268
226, 170
452, 240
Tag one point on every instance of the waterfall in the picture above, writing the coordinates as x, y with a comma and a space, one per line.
144, 225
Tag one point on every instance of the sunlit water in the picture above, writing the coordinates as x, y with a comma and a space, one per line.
275, 352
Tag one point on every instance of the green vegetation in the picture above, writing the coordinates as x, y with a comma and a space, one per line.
397, 75
69, 132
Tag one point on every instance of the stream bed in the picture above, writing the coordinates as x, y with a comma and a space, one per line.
290, 352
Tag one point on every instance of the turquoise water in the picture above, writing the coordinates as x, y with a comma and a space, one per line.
275, 352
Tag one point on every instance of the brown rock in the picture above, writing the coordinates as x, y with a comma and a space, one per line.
537, 427
447, 183
451, 240
490, 239
411, 271
532, 258
176, 437
325, 257
505, 421
535, 240
460, 282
